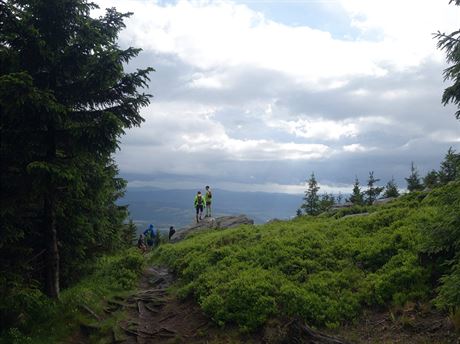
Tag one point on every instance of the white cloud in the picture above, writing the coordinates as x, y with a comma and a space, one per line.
355, 147
317, 128
295, 189
179, 134
445, 136
213, 34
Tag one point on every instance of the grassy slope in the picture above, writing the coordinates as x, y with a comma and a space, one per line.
45, 321
325, 269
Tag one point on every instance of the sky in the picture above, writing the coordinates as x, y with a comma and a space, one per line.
258, 95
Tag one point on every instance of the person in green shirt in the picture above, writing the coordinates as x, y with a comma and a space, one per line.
199, 205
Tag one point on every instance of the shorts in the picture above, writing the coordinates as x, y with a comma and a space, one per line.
199, 208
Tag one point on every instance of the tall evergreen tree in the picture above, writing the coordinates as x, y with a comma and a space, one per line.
64, 102
372, 192
326, 201
450, 43
311, 198
391, 189
431, 179
450, 167
413, 181
339, 198
356, 197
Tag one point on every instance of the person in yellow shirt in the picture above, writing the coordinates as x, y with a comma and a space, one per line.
208, 201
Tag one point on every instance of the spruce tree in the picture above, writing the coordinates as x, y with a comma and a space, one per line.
339, 198
431, 179
356, 195
311, 198
450, 43
391, 189
413, 181
326, 201
65, 100
450, 167
372, 192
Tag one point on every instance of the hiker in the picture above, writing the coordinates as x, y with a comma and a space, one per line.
141, 244
199, 205
171, 232
149, 235
208, 199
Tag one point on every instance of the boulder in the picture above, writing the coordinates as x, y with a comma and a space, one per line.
222, 222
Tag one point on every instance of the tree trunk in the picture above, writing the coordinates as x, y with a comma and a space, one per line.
50, 232
52, 256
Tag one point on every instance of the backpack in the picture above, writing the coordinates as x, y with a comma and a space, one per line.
199, 200
208, 195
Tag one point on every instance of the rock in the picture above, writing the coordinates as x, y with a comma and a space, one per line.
342, 206
354, 215
222, 222
275, 220
383, 200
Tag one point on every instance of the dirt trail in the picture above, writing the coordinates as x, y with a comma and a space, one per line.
160, 317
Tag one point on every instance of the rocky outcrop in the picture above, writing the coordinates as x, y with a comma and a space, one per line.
381, 201
342, 206
212, 223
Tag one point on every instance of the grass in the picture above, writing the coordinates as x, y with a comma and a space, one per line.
47, 321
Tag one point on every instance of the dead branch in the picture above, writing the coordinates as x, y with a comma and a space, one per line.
90, 311
299, 332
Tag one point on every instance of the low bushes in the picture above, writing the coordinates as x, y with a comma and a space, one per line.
325, 269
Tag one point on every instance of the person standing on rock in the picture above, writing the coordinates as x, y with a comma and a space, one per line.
208, 200
199, 206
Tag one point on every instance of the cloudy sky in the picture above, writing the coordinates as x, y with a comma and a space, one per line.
257, 95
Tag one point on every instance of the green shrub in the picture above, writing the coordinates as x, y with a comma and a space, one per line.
121, 270
325, 269
247, 300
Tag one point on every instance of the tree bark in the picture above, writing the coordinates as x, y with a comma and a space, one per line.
52, 254
50, 231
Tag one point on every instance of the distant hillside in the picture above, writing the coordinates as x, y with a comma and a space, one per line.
175, 207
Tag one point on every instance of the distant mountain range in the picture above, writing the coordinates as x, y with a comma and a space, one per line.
165, 208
